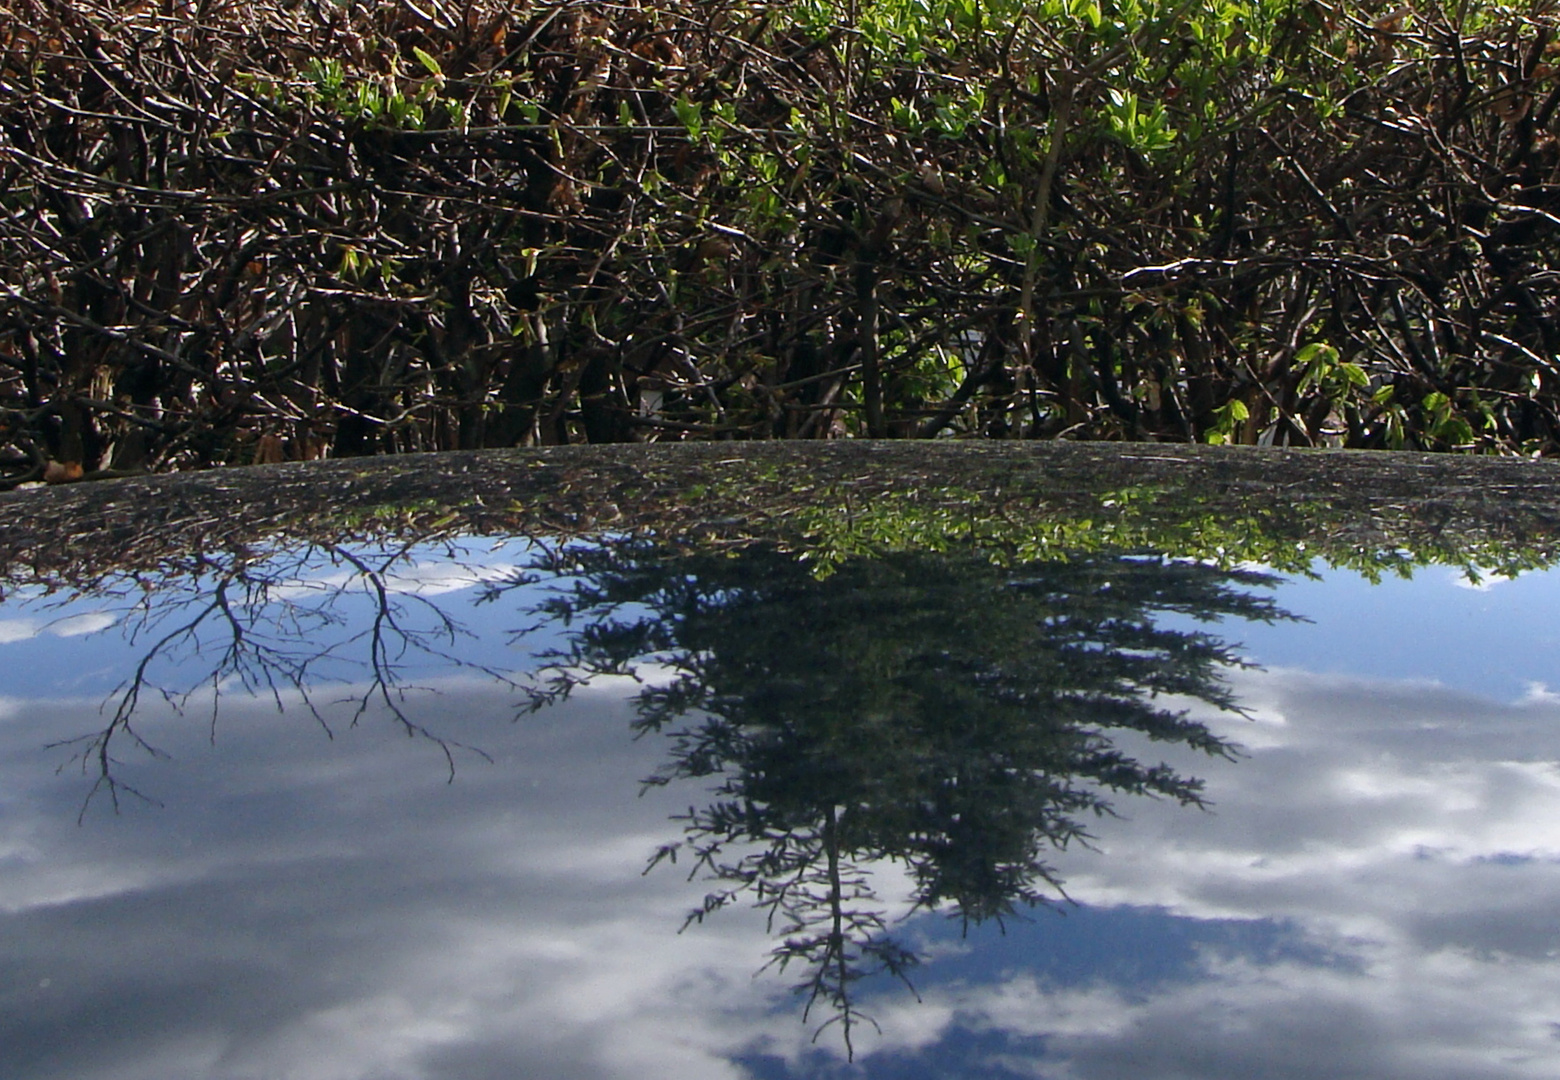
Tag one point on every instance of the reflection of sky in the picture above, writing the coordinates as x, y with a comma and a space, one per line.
431, 579
1375, 893
1494, 639
317, 909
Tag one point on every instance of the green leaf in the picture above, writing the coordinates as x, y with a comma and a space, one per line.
691, 115
427, 60
1317, 349
1455, 431
1354, 374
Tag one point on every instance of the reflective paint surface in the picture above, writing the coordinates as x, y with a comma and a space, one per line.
296, 888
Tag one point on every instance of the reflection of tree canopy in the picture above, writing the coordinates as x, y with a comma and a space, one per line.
939, 711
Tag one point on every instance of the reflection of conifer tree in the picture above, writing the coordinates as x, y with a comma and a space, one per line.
956, 717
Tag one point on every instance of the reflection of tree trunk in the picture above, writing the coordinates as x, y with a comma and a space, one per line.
831, 843
833, 974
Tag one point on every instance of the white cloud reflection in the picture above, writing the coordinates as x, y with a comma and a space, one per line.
26, 629
326, 910
1410, 833
333, 910
434, 577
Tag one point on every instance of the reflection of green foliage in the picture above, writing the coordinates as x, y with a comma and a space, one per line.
1126, 519
938, 710
1120, 520
1289, 539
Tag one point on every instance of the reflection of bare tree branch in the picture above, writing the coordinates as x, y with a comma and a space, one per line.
388, 625
270, 626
